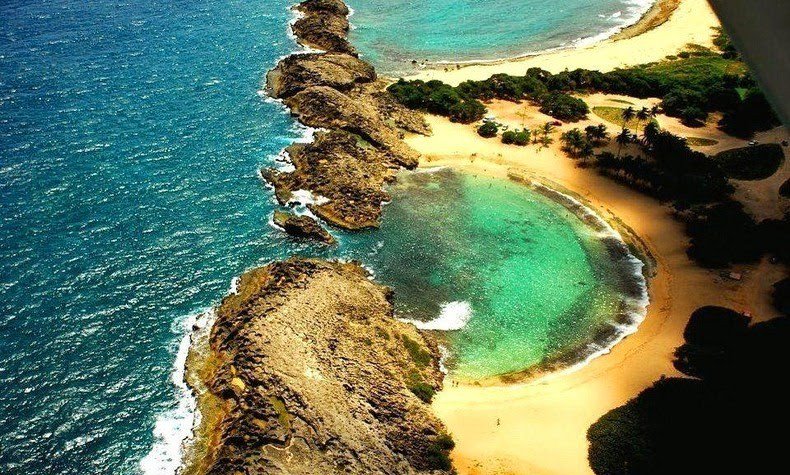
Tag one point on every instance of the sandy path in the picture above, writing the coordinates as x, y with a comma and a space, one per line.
691, 22
543, 424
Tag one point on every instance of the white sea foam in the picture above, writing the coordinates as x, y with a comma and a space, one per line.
452, 316
173, 428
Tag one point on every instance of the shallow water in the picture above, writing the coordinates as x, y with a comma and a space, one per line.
518, 276
392, 33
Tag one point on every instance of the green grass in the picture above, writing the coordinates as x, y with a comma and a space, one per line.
615, 116
700, 142
696, 67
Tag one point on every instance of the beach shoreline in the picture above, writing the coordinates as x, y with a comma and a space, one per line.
558, 409
665, 29
657, 13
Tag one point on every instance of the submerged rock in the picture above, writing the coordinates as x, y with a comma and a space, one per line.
302, 226
309, 372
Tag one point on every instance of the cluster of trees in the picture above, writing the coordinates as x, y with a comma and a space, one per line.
754, 162
725, 420
439, 98
691, 86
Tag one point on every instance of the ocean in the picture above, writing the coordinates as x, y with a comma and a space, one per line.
393, 33
130, 137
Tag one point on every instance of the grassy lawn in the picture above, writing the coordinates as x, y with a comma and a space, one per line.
700, 142
615, 116
695, 68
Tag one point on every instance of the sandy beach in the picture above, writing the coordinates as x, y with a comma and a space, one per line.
543, 424
691, 22
540, 427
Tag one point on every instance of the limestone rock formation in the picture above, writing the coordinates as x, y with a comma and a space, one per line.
363, 143
303, 227
311, 373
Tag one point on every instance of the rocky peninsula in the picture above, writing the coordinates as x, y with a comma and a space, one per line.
360, 146
306, 371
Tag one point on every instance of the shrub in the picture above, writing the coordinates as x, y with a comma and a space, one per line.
438, 450
488, 130
420, 388
522, 137
508, 137
755, 162
419, 355
784, 190
564, 107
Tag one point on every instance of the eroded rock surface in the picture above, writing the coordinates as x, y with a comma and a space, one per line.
303, 227
363, 140
323, 25
312, 374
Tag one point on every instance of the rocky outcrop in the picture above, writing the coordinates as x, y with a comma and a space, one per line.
343, 169
362, 144
301, 71
323, 25
311, 373
302, 227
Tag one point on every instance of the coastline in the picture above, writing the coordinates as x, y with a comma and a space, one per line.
559, 410
660, 32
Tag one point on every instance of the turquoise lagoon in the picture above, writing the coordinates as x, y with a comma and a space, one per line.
515, 278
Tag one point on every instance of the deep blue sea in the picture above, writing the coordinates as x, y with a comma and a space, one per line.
130, 136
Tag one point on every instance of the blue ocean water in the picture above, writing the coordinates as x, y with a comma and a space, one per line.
392, 33
130, 136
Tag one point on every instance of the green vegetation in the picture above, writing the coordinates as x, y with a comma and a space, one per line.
755, 162
419, 355
698, 82
438, 452
516, 137
488, 130
700, 141
576, 144
420, 388
723, 422
438, 98
564, 107
615, 116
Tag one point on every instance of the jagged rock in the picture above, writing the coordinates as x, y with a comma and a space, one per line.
324, 27
392, 110
302, 226
336, 7
322, 106
310, 373
298, 72
341, 167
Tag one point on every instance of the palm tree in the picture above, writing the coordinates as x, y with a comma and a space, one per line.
548, 128
627, 115
623, 138
642, 115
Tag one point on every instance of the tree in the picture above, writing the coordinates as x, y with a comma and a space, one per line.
596, 134
627, 115
508, 137
574, 142
488, 130
623, 138
521, 137
641, 116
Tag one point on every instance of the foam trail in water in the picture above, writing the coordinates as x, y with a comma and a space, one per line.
173, 428
452, 316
